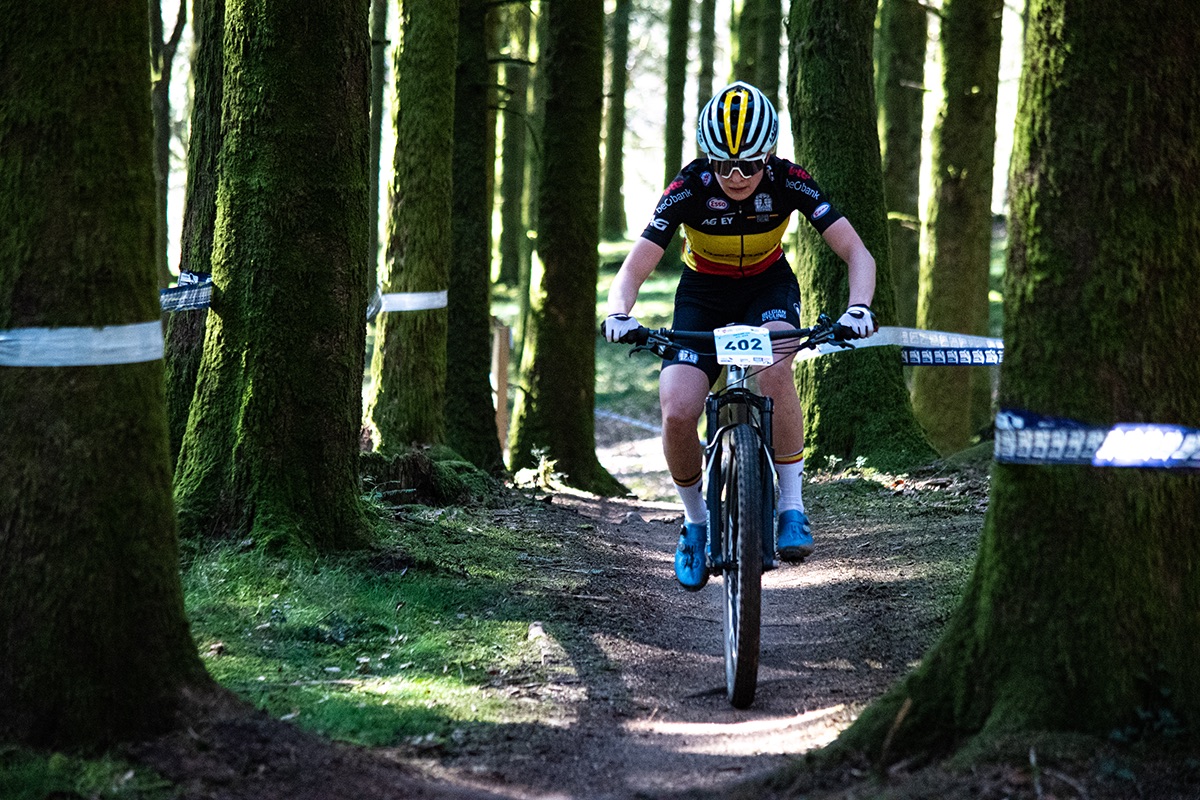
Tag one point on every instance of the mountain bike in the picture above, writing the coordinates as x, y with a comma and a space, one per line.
739, 474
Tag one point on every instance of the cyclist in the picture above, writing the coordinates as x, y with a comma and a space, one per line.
734, 206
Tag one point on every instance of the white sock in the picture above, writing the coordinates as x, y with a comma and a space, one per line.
695, 510
790, 470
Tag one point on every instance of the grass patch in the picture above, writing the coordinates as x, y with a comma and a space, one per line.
404, 643
30, 775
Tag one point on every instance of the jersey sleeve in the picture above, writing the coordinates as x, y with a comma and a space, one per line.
670, 212
806, 196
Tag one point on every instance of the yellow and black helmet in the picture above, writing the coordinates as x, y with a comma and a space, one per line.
739, 122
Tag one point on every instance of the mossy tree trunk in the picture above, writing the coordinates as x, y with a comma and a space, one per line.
407, 403
678, 33
1081, 613
533, 179
612, 209
954, 277
903, 37
95, 644
379, 47
555, 411
162, 62
514, 150
706, 48
857, 404
470, 411
185, 329
744, 23
270, 452
770, 39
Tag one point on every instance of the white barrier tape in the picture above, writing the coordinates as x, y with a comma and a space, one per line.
413, 301
1026, 438
926, 348
81, 347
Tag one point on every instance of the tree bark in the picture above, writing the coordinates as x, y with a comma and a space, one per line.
379, 47
612, 211
954, 279
1081, 613
857, 404
270, 453
514, 151
903, 37
470, 411
96, 646
185, 329
678, 33
768, 58
555, 412
408, 394
162, 60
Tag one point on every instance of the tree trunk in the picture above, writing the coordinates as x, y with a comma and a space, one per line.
1081, 614
96, 646
612, 211
706, 56
857, 404
745, 24
676, 79
770, 36
408, 368
162, 60
903, 36
185, 329
954, 279
270, 453
514, 228
379, 46
470, 412
555, 413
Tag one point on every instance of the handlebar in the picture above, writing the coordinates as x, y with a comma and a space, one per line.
663, 342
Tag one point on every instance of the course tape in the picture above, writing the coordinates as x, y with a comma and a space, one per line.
81, 347
926, 348
1023, 437
194, 292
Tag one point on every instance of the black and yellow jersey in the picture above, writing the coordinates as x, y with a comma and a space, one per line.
737, 238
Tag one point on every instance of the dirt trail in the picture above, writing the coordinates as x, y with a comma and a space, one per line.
634, 669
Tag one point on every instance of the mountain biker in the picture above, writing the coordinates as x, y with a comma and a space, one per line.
734, 207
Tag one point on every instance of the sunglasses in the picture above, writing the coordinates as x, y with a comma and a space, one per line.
748, 167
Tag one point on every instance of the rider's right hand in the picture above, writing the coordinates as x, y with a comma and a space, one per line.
617, 325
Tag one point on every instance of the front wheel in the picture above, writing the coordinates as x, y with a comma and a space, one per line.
741, 557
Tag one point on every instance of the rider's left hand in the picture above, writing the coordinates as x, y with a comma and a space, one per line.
861, 319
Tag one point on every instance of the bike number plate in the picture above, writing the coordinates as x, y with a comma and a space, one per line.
743, 346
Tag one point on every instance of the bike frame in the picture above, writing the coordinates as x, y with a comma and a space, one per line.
736, 405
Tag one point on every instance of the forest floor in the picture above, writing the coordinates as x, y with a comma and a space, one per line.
628, 699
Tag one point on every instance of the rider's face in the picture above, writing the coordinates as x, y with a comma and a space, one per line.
738, 186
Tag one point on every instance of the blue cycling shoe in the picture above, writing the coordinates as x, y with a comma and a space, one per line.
793, 535
690, 569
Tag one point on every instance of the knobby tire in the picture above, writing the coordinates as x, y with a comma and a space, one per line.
742, 511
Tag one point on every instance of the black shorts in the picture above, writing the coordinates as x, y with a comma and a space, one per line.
707, 302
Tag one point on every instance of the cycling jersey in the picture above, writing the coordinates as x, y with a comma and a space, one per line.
737, 238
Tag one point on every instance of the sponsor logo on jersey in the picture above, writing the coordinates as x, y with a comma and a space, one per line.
712, 222
687, 357
672, 199
803, 188
717, 204
674, 185
762, 202
659, 224
706, 178
774, 314
798, 172
820, 211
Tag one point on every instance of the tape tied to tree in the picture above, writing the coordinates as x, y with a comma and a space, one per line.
1023, 437
81, 347
926, 348
194, 293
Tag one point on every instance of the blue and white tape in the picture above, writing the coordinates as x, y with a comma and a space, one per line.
1023, 437
927, 348
81, 347
194, 292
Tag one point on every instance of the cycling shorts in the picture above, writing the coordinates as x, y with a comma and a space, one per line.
707, 302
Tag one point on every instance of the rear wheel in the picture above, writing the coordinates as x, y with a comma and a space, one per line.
741, 544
